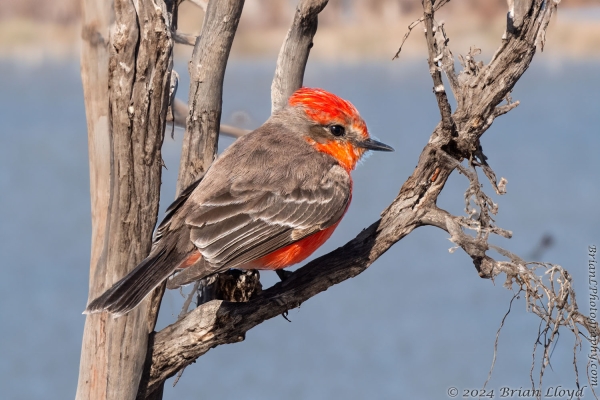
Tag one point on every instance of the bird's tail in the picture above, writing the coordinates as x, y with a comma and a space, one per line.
127, 293
163, 260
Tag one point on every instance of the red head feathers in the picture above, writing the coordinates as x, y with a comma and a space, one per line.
327, 108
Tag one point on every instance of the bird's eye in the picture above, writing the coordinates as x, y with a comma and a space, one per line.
337, 130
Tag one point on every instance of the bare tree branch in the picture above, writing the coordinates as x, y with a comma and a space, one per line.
184, 38
412, 26
232, 131
200, 3
550, 295
515, 296
445, 59
181, 111
218, 322
293, 55
96, 18
501, 110
436, 6
207, 70
448, 125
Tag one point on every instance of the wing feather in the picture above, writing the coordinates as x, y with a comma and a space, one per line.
263, 248
208, 235
244, 225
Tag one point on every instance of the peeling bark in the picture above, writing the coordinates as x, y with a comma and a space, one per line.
126, 170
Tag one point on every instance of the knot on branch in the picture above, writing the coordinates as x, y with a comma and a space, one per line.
471, 67
237, 285
234, 285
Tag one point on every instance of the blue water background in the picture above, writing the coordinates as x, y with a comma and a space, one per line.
416, 323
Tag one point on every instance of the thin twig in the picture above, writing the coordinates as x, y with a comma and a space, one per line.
180, 113
190, 297
406, 35
515, 296
184, 38
413, 24
501, 110
200, 3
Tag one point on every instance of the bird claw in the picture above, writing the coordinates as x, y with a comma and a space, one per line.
283, 274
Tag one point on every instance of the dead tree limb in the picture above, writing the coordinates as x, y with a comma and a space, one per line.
181, 111
184, 38
126, 144
435, 72
294, 52
207, 70
479, 90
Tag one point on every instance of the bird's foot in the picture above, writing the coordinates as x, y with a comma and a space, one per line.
283, 274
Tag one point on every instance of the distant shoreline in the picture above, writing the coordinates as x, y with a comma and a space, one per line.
573, 33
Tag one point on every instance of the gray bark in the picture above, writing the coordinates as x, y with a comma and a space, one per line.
96, 19
207, 70
294, 52
126, 170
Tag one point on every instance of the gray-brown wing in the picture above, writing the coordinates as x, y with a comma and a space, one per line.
238, 227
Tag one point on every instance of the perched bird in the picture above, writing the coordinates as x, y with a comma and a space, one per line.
268, 202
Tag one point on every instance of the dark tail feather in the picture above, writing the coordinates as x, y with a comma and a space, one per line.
199, 270
126, 294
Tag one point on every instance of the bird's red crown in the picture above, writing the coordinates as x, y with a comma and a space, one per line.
326, 108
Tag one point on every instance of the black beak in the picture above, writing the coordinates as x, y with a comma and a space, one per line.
371, 144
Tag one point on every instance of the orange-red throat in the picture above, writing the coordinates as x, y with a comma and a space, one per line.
344, 152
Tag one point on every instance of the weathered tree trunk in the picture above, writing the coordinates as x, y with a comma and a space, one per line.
126, 85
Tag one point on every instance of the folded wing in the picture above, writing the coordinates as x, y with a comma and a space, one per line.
240, 226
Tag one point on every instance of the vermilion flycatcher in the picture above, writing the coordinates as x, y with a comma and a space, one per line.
268, 202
